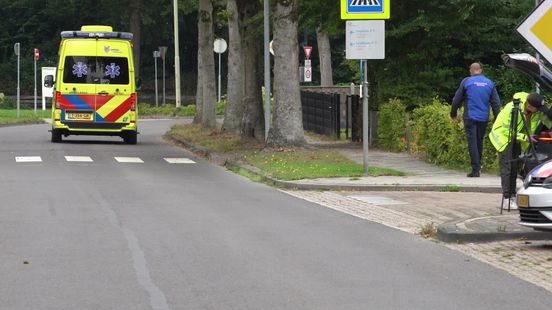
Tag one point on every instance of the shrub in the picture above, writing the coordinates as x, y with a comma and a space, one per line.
443, 141
392, 126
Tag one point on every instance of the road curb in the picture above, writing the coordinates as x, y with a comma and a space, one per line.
227, 162
450, 233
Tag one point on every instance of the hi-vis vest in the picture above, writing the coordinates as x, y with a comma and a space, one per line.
500, 132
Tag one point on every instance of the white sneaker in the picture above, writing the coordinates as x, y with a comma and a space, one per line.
513, 204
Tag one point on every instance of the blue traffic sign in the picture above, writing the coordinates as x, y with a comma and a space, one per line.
365, 9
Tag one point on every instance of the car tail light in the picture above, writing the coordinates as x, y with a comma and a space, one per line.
58, 100
133, 102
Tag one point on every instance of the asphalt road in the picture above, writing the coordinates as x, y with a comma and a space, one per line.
154, 235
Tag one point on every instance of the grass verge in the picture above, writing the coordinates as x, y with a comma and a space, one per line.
9, 116
299, 164
283, 164
169, 110
213, 140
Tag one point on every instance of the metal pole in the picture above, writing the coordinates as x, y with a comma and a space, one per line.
266, 67
18, 90
176, 57
156, 90
219, 79
537, 55
365, 138
34, 84
164, 96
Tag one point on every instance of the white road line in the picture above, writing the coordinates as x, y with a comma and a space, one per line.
80, 159
28, 159
133, 160
179, 161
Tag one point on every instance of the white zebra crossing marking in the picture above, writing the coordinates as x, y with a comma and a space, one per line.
365, 3
179, 161
28, 159
80, 159
133, 160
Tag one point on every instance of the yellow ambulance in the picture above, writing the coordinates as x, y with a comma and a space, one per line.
94, 87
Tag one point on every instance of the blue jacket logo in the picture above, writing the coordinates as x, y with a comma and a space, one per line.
365, 6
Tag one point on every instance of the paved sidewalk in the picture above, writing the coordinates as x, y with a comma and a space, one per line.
473, 220
420, 175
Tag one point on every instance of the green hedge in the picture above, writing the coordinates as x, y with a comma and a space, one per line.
435, 137
392, 126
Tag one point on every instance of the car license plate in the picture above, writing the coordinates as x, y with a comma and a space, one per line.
523, 201
79, 116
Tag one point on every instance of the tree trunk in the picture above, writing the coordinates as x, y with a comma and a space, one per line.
253, 117
325, 53
234, 102
287, 128
205, 26
135, 28
199, 90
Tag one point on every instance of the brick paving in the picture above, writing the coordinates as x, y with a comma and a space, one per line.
412, 211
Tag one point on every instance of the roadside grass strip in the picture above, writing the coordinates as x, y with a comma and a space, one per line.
283, 164
129, 160
28, 159
309, 164
25, 116
80, 159
179, 161
214, 140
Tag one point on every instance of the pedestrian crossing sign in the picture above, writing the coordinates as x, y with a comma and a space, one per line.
365, 9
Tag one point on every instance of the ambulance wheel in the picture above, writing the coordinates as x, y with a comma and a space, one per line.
56, 136
130, 137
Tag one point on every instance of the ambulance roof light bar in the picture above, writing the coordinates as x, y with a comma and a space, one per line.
93, 35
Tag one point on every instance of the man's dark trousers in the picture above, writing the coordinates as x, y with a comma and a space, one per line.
475, 133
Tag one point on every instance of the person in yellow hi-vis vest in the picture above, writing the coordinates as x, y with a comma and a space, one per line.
534, 111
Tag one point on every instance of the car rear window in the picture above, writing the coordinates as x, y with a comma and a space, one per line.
95, 70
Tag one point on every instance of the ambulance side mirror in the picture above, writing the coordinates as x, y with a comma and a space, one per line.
138, 83
49, 81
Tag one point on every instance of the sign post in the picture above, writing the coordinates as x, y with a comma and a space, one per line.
307, 69
17, 50
365, 40
36, 57
156, 54
163, 52
219, 46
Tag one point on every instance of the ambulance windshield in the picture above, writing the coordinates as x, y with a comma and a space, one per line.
96, 70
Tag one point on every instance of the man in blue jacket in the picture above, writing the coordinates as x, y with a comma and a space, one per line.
478, 94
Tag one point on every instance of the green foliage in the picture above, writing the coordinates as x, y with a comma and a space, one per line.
508, 82
435, 137
392, 126
221, 107
188, 110
169, 110
443, 141
7, 104
430, 44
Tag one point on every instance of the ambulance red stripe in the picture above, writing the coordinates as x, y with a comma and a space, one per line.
119, 111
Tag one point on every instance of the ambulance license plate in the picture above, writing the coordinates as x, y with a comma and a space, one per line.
523, 201
80, 116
